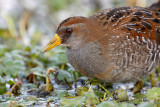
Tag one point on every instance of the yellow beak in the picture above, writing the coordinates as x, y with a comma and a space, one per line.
55, 41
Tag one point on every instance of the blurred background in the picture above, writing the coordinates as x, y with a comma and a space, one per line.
33, 22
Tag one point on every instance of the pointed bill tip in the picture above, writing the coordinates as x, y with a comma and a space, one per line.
55, 41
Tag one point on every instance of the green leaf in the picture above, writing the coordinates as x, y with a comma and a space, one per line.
94, 81
71, 69
121, 95
38, 71
16, 54
99, 94
108, 104
124, 104
91, 97
80, 90
12, 67
64, 74
3, 88
62, 94
2, 70
39, 74
147, 104
8, 62
77, 101
153, 94
138, 98
10, 82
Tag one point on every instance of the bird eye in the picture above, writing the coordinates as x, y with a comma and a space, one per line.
69, 30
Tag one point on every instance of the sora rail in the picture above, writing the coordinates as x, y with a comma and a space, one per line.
113, 45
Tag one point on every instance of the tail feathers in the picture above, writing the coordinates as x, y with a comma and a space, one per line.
155, 6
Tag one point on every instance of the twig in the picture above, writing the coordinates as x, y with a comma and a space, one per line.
69, 85
48, 83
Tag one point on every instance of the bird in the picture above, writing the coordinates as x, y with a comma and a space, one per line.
115, 45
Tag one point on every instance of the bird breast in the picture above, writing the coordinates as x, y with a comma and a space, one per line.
88, 60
